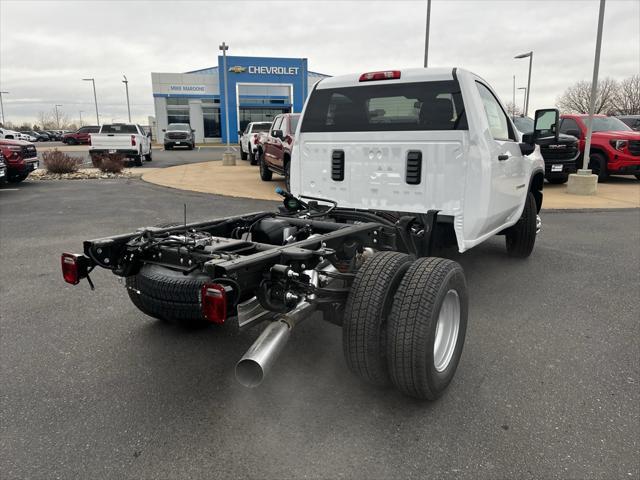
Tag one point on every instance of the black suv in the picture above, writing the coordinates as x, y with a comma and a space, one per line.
179, 135
559, 156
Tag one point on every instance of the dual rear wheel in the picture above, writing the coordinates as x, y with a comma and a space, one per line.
405, 323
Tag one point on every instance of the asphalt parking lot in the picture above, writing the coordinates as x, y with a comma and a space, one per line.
161, 159
548, 384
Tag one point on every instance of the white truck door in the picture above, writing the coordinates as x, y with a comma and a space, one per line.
508, 170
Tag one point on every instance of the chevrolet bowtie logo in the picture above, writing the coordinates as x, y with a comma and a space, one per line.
238, 69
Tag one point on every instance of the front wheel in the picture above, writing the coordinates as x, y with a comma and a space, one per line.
147, 157
427, 327
18, 178
521, 237
287, 176
265, 173
598, 165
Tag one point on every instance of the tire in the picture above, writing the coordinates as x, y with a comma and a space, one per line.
287, 175
255, 157
243, 154
168, 147
147, 157
18, 178
431, 295
598, 165
137, 160
558, 180
365, 316
637, 175
168, 295
265, 173
521, 237
72, 141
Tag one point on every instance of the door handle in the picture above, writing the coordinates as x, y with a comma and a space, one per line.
503, 156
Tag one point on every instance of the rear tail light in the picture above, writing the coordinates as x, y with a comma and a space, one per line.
71, 268
213, 298
384, 75
133, 140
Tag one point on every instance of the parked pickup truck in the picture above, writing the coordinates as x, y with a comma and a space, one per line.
126, 139
20, 157
274, 151
615, 147
560, 154
3, 169
80, 136
179, 135
250, 139
387, 168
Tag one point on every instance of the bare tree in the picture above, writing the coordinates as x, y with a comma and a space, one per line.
627, 98
577, 97
48, 120
513, 110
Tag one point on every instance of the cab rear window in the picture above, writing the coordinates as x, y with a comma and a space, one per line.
390, 107
119, 128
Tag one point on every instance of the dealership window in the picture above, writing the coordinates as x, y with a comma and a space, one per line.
177, 116
252, 114
211, 117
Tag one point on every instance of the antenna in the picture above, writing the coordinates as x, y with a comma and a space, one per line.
185, 219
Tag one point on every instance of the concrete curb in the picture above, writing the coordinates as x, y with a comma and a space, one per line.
242, 181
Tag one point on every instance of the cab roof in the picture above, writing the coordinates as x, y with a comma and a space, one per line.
407, 75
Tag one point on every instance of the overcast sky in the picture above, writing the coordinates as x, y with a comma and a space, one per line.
46, 47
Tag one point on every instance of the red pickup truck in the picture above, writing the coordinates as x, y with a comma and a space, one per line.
274, 152
20, 157
615, 147
81, 136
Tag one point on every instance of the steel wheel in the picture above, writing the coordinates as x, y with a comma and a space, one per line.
444, 343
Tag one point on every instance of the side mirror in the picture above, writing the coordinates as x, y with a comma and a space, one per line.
149, 134
546, 123
525, 147
164, 129
575, 133
239, 133
277, 134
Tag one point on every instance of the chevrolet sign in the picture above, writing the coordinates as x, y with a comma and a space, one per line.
263, 70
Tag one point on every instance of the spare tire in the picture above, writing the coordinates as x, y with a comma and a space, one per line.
168, 295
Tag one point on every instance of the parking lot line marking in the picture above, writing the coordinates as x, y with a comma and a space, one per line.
9, 189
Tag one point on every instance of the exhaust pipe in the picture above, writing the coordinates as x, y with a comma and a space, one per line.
256, 363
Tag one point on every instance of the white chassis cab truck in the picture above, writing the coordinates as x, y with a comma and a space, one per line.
387, 168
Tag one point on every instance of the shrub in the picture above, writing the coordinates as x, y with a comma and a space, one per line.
109, 163
59, 162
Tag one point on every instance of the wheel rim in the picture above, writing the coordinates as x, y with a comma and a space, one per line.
447, 330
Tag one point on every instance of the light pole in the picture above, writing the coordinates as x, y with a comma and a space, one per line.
228, 158
525, 99
81, 117
525, 55
426, 35
594, 90
95, 97
513, 113
2, 106
57, 117
126, 86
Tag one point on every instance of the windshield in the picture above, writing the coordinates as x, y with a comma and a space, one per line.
607, 124
184, 127
293, 122
261, 127
119, 128
523, 124
386, 107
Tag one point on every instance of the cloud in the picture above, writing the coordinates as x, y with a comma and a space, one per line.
65, 41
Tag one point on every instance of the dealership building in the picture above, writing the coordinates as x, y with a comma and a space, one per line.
258, 89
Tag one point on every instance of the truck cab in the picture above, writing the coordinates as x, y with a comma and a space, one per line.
419, 140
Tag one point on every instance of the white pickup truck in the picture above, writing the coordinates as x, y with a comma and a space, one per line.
250, 138
128, 139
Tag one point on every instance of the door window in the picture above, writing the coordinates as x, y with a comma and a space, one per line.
276, 125
498, 122
568, 124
